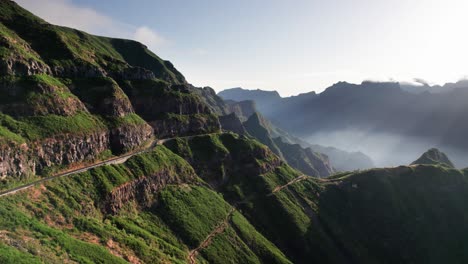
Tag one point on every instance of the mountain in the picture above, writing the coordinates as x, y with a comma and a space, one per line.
68, 97
344, 160
425, 87
340, 159
107, 156
264, 99
369, 113
434, 157
302, 159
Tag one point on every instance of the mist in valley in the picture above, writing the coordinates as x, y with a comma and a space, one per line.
386, 149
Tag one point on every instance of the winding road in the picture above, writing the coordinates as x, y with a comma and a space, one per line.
219, 229
298, 179
205, 243
116, 160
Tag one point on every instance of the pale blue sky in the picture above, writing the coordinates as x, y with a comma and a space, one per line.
289, 46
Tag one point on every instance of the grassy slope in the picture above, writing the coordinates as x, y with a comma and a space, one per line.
406, 214
66, 220
61, 46
230, 161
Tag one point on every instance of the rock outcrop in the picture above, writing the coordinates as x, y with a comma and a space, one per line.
67, 96
243, 109
15, 162
141, 190
434, 157
129, 137
217, 158
304, 159
232, 123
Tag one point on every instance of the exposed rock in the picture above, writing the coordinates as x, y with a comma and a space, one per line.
257, 126
141, 190
128, 137
208, 95
16, 63
434, 157
133, 73
243, 109
16, 162
103, 96
304, 159
230, 156
185, 126
68, 149
22, 66
43, 100
79, 70
232, 123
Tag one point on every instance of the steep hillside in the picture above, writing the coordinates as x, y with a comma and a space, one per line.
68, 98
302, 159
380, 215
151, 209
399, 215
182, 190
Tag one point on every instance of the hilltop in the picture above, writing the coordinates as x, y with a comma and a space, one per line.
434, 157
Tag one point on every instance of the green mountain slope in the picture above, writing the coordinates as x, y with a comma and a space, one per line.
302, 159
68, 98
195, 195
151, 209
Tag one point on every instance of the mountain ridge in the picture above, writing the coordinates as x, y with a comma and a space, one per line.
186, 189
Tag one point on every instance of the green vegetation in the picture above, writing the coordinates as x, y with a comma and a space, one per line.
65, 47
129, 119
38, 127
159, 205
69, 217
192, 211
14, 256
7, 136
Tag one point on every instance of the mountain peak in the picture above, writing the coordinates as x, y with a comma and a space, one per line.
434, 157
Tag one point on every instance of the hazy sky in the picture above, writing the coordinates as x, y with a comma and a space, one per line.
289, 46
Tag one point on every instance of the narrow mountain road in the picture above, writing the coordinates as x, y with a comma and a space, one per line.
298, 179
209, 239
116, 160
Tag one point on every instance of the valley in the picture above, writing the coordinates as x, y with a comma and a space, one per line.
109, 155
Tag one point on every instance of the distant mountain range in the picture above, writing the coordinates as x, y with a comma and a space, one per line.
108, 155
357, 116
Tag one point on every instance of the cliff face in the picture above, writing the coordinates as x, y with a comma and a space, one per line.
71, 96
305, 160
27, 159
142, 190
217, 158
232, 123
15, 162
243, 109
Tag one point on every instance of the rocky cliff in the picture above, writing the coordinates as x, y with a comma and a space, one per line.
73, 97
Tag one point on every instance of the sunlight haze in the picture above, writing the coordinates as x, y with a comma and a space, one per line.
289, 46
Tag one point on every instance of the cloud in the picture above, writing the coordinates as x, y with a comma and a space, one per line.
66, 13
148, 37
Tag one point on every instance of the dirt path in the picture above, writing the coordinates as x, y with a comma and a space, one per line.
298, 179
205, 243
116, 160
